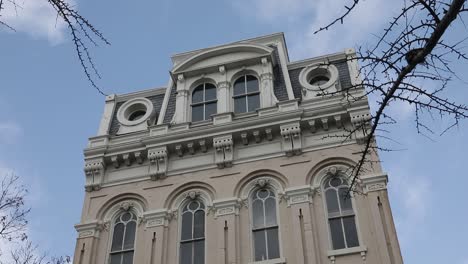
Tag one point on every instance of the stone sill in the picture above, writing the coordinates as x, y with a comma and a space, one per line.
270, 261
347, 251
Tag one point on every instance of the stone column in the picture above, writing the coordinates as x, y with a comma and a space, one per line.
156, 226
88, 235
106, 118
181, 112
224, 98
267, 94
226, 211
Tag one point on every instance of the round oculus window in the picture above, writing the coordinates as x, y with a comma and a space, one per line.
134, 111
318, 77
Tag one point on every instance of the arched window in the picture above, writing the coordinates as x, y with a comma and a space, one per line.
123, 239
246, 94
203, 102
192, 235
264, 225
341, 217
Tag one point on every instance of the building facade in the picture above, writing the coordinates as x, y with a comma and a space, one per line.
240, 159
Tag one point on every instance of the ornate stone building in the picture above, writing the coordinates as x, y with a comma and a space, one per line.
238, 160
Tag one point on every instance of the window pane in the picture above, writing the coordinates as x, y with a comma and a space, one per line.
197, 113
259, 245
186, 226
115, 258
336, 233
270, 212
257, 214
197, 95
254, 102
210, 109
239, 86
332, 201
127, 258
252, 84
335, 182
117, 238
345, 200
210, 92
199, 224
129, 235
199, 252
186, 253
125, 217
239, 105
350, 231
273, 243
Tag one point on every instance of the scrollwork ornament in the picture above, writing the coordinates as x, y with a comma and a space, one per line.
125, 206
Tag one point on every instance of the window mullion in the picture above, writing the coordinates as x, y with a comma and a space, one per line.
344, 232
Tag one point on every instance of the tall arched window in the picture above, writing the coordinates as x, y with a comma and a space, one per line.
341, 217
264, 225
246, 94
203, 102
123, 239
192, 235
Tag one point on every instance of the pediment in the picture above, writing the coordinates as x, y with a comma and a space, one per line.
223, 55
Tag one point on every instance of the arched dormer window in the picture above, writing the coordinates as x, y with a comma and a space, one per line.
341, 216
123, 238
264, 224
204, 102
192, 233
246, 94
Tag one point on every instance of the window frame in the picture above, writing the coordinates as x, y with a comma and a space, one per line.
114, 222
186, 202
246, 94
340, 215
204, 102
265, 228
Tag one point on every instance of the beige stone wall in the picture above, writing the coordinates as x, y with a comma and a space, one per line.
304, 236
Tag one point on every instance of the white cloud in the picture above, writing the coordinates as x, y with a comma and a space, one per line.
9, 132
37, 18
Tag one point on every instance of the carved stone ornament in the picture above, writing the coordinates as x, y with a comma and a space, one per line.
192, 195
223, 151
94, 170
291, 139
158, 162
125, 206
262, 182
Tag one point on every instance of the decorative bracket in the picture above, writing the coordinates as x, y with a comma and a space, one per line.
94, 170
223, 151
158, 162
291, 139
361, 122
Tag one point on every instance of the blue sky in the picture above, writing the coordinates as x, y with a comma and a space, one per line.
48, 109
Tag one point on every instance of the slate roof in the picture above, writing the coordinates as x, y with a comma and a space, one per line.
157, 101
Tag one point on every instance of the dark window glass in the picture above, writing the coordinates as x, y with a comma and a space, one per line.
240, 105
265, 226
332, 201
127, 258
115, 258
210, 92
335, 182
199, 224
246, 94
254, 102
252, 84
345, 199
117, 239
319, 80
192, 245
187, 226
204, 103
186, 253
136, 115
337, 233
197, 95
129, 235
199, 252
210, 109
273, 243
260, 245
350, 231
197, 113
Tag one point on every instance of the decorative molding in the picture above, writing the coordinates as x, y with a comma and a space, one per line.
158, 162
361, 121
372, 183
226, 207
298, 195
89, 229
156, 218
223, 151
291, 138
361, 250
94, 171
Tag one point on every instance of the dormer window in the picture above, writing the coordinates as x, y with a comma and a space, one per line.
204, 102
246, 94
